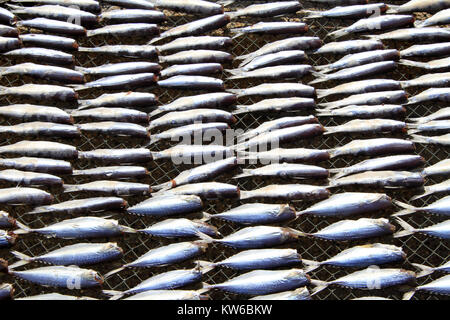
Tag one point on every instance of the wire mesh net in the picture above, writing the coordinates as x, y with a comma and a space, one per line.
419, 248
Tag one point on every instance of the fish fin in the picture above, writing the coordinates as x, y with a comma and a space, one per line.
319, 286
23, 229
311, 14
322, 93
310, 265
408, 295
245, 173
424, 270
392, 8
205, 266
427, 192
408, 229
113, 272
115, 295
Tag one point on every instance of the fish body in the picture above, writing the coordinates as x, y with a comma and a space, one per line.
441, 207
439, 230
277, 90
280, 123
438, 64
118, 155
198, 69
438, 286
350, 46
31, 112
112, 172
196, 42
41, 92
41, 129
132, 4
111, 114
377, 146
270, 9
196, 56
370, 98
440, 140
421, 6
83, 205
368, 126
166, 205
176, 133
8, 44
427, 50
360, 87
120, 81
364, 111
287, 155
55, 26
287, 192
87, 5
188, 82
415, 34
110, 187
55, 296
439, 18
112, 128
386, 179
348, 12
25, 196
169, 294
291, 104
128, 51
276, 72
114, 69
26, 178
181, 227
286, 170
206, 190
439, 168
275, 59
195, 6
122, 99
201, 153
44, 72
284, 27
125, 30
432, 94
132, 15
297, 294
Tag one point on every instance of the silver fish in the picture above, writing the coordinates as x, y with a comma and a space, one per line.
79, 228
125, 30
283, 27
7, 17
189, 130
427, 50
368, 126
377, 146
25, 196
417, 5
441, 140
201, 153
355, 72
6, 291
41, 92
436, 188
55, 26
121, 99
181, 227
432, 94
361, 257
195, 6
120, 81
207, 190
364, 111
31, 112
276, 89
270, 9
26, 178
277, 104
286, 170
196, 56
163, 281
297, 294
349, 46
110, 187
199, 174
376, 22
166, 205
61, 277
118, 155
77, 254
287, 192
7, 31
138, 4
274, 59
386, 179
360, 87
441, 17
275, 72
113, 69
279, 123
6, 221
7, 44
432, 126
112, 172
349, 203
426, 270
42, 129
440, 230
439, 168
165, 255
199, 69
347, 12
170, 294
88, 5
192, 83
132, 15
443, 113
438, 286
287, 155
441, 207
195, 27
264, 282
55, 296
415, 34
83, 205
114, 128
362, 228
44, 149
7, 239
111, 114
257, 213
196, 42
128, 51
209, 100
395, 162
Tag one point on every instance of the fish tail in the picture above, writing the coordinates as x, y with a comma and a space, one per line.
240, 109
320, 77
246, 61
77, 87
155, 112
125, 229
297, 233
3, 90
427, 192
322, 93
238, 33
23, 229
319, 286
310, 265
392, 9
245, 173
154, 40
16, 9
424, 270
164, 186
311, 14
245, 195
408, 295
70, 188
337, 34
404, 205
205, 266
225, 2
115, 295
402, 213
408, 229
323, 67
418, 138
411, 63
330, 130
205, 237
23, 259
206, 216
113, 272
207, 286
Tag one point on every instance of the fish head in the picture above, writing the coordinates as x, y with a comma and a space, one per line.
11, 237
112, 247
202, 245
286, 209
95, 277
3, 265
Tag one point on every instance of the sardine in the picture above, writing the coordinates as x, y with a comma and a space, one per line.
361, 257
427, 50
45, 72
61, 277
435, 188
264, 282
200, 153
377, 22
7, 17
189, 130
194, 6
276, 89
41, 92
209, 100
111, 114
287, 155
196, 69
277, 104
438, 286
274, 59
377, 146
79, 254
127, 51
56, 26
443, 113
133, 4
88, 5
42, 55
41, 129
432, 94
386, 179
30, 112
166, 205
364, 111
110, 187
287, 192
297, 294
440, 230
179, 118
114, 69
127, 81
439, 18
441, 207
258, 237
420, 5
7, 44
25, 196
441, 140
196, 56
206, 190
426, 270
360, 87
114, 128
7, 238
170, 294
361, 58
181, 227
297, 71
45, 149
117, 155
286, 170
198, 42
362, 228
7, 31
6, 291
79, 228
396, 162
112, 172
430, 126
196, 27
6, 221
165, 255
347, 12
125, 30
368, 126
415, 34
278, 124
201, 173
54, 297
83, 206
349, 47
132, 15
257, 213
25, 178
122, 99
355, 72
192, 83
282, 27
263, 10
349, 203
440, 168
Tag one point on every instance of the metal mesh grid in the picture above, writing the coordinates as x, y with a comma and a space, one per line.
420, 249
